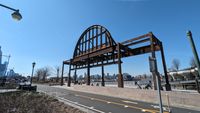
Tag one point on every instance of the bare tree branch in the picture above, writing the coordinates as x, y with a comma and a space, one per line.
192, 62
42, 73
175, 64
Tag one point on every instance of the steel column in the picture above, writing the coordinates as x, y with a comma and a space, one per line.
75, 76
61, 83
88, 74
102, 76
69, 75
120, 76
153, 55
167, 85
57, 79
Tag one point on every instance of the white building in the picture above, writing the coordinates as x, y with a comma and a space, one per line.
184, 74
2, 66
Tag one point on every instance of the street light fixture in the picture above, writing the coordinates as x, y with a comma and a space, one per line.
33, 65
15, 15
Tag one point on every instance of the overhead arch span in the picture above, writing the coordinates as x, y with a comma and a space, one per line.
92, 39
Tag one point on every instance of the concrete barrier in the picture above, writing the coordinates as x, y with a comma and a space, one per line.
176, 98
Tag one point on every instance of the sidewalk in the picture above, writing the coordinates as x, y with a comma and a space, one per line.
178, 98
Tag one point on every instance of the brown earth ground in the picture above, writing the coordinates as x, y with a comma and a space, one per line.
32, 102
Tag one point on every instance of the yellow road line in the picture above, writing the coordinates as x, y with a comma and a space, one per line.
131, 102
134, 107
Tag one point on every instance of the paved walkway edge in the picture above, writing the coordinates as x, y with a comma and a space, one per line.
176, 99
73, 104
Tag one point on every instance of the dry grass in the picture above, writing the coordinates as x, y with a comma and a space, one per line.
30, 102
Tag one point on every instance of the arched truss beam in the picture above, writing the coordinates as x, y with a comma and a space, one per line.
93, 39
96, 47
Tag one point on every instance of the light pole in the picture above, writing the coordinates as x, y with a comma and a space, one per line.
196, 58
153, 69
33, 65
15, 15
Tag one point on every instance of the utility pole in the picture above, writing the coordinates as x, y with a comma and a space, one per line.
153, 69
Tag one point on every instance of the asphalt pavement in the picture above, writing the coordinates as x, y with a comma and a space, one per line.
107, 104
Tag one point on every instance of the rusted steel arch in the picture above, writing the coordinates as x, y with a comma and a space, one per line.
92, 39
96, 47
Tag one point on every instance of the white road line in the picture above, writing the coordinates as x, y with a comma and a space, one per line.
131, 102
143, 110
108, 102
157, 107
91, 108
76, 103
125, 106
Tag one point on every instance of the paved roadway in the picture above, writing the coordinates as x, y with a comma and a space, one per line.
106, 104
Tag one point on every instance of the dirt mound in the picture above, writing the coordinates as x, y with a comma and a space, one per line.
30, 102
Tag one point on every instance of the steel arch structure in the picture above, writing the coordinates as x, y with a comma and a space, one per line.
96, 47
92, 39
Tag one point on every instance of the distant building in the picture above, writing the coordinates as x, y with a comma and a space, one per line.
11, 72
127, 77
2, 66
184, 74
0, 55
13, 77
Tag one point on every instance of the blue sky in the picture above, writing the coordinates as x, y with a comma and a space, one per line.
49, 30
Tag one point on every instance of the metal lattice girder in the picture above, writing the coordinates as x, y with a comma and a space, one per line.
96, 44
94, 38
96, 47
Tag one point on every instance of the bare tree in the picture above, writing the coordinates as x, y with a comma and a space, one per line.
192, 62
42, 73
175, 64
46, 73
38, 74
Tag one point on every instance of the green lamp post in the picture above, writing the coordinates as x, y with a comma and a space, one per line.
196, 58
